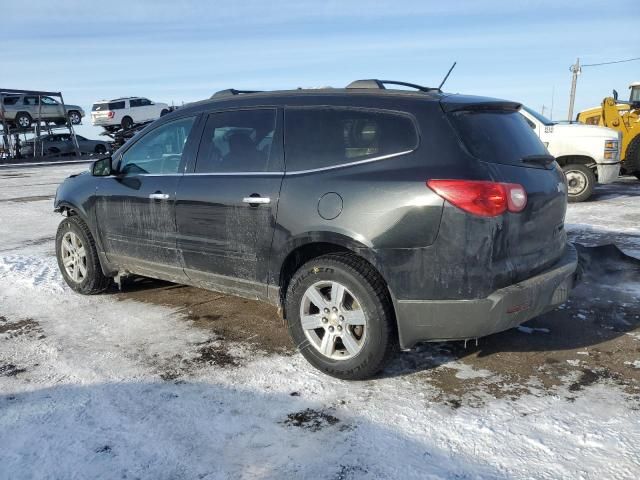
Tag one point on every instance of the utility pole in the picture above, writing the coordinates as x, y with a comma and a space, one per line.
576, 70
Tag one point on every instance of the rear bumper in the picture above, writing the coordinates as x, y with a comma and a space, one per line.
432, 320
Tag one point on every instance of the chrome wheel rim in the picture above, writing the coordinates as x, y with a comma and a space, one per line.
576, 182
24, 121
333, 320
74, 257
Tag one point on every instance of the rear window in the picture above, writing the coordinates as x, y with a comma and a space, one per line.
324, 137
498, 136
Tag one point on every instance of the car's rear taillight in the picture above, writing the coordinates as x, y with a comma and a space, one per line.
110, 114
483, 198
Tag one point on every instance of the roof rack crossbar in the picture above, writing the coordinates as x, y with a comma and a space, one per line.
380, 84
233, 91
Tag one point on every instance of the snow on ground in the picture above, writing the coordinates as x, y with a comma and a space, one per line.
83, 394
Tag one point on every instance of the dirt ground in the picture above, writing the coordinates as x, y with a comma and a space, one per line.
593, 338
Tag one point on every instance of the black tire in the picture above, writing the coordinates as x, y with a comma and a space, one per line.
23, 120
94, 281
127, 123
164, 112
632, 158
360, 278
580, 182
74, 117
100, 149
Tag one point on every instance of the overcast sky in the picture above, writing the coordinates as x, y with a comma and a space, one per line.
175, 51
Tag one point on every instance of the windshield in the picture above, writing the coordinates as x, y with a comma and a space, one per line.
538, 116
635, 94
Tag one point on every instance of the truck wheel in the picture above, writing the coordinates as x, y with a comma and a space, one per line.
100, 149
632, 158
23, 120
340, 317
580, 182
127, 123
78, 257
74, 117
164, 112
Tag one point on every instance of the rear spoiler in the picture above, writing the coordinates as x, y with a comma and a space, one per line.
457, 103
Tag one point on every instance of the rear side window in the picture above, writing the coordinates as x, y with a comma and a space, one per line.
116, 105
325, 137
238, 141
10, 100
498, 136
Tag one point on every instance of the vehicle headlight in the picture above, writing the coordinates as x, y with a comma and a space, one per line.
611, 145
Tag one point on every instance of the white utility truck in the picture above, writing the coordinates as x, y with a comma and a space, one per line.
588, 154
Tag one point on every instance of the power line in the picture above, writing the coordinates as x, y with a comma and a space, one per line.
609, 63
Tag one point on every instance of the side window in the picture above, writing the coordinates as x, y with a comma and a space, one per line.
48, 101
144, 102
324, 137
238, 141
29, 100
158, 151
135, 103
116, 105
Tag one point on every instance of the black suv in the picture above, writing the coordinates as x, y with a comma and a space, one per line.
373, 217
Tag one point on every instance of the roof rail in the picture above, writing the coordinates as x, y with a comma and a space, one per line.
380, 84
232, 91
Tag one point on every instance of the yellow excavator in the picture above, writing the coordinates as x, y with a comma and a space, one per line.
624, 116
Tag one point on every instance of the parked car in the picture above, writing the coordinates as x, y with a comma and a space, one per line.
372, 217
126, 112
62, 144
23, 110
588, 154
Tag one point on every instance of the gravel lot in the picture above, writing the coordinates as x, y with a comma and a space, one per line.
167, 381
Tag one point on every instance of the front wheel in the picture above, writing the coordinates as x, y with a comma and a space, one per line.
23, 120
339, 316
74, 117
580, 182
78, 257
127, 123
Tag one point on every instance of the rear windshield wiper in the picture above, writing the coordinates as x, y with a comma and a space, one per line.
539, 159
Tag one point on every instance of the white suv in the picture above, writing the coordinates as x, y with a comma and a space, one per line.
588, 154
126, 112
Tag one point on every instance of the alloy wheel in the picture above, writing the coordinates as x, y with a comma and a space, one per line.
74, 257
333, 320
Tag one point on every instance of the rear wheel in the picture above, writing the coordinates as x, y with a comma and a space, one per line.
23, 120
127, 123
100, 149
340, 317
580, 182
78, 257
164, 112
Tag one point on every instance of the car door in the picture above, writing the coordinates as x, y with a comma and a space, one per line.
147, 110
135, 208
227, 203
51, 109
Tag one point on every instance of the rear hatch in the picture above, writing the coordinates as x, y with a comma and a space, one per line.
497, 136
101, 111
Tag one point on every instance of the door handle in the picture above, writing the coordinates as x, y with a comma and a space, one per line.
159, 196
256, 200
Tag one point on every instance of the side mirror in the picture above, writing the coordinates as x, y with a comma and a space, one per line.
615, 95
102, 167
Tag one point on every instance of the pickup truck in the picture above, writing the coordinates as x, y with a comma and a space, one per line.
588, 154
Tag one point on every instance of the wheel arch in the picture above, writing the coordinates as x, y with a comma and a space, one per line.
576, 159
301, 252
